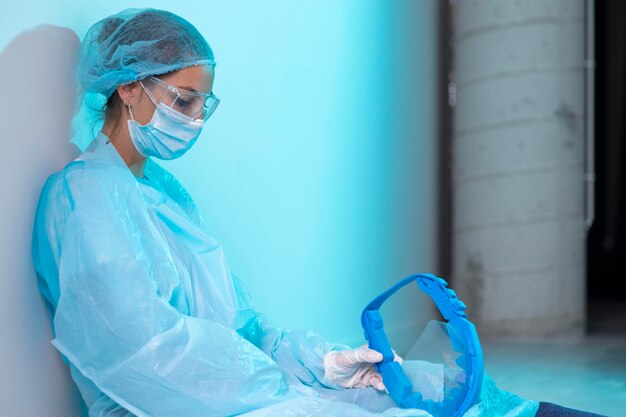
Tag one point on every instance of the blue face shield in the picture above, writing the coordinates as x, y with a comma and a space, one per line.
442, 373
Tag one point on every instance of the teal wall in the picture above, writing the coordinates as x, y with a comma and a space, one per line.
317, 171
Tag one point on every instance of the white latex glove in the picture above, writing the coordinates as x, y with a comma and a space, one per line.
353, 368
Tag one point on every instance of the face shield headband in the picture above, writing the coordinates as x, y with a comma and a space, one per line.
463, 374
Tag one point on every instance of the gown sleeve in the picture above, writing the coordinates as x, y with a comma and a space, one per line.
300, 353
113, 323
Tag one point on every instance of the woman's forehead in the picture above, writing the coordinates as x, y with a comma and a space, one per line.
196, 78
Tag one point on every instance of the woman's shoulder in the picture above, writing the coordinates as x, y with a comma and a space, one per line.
80, 180
57, 201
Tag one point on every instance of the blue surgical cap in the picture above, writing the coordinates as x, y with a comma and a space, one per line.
135, 43
130, 46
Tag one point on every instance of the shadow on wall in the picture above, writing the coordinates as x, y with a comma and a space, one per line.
37, 101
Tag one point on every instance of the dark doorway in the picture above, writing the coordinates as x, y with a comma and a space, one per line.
606, 243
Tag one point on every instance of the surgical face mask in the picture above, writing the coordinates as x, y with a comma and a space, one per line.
168, 135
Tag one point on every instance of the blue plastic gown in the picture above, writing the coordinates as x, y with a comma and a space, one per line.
151, 322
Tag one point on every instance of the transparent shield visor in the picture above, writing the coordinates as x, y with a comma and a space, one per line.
437, 366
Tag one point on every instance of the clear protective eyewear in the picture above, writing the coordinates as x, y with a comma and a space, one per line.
189, 103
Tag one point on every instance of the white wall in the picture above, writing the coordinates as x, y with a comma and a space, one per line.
317, 171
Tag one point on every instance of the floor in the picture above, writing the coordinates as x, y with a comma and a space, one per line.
587, 374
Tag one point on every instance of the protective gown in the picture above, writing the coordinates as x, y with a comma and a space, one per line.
150, 320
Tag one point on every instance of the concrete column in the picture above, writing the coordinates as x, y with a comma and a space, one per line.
517, 182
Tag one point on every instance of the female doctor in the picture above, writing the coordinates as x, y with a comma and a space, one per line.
142, 303
143, 307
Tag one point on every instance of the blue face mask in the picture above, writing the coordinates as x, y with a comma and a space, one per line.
168, 135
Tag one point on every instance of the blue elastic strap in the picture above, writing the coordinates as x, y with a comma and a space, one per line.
452, 309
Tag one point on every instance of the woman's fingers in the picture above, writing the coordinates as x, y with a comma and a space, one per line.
365, 354
377, 382
373, 379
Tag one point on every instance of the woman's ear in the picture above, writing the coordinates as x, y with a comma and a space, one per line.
128, 91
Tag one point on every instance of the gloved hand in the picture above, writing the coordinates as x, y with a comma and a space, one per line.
353, 368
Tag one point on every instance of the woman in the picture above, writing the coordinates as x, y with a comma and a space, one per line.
143, 306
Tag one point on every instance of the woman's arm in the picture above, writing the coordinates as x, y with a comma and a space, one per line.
300, 353
115, 325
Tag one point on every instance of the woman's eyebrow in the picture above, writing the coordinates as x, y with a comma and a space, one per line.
193, 89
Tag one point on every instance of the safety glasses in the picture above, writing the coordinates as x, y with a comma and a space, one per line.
190, 103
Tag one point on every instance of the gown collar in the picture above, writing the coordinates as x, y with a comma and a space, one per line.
99, 149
